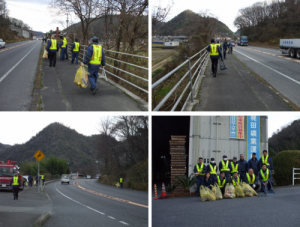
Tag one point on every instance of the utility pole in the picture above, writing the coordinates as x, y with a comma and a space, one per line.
67, 20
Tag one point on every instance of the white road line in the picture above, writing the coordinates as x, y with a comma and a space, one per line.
298, 82
111, 217
124, 223
9, 71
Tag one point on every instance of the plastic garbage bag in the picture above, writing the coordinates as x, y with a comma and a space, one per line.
81, 77
45, 54
206, 194
222, 65
239, 191
248, 190
229, 191
217, 191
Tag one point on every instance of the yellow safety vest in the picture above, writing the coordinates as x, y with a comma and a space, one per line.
200, 169
213, 170
233, 181
97, 55
223, 183
214, 50
15, 181
121, 180
249, 179
265, 160
234, 169
265, 177
64, 43
225, 167
77, 45
42, 177
53, 44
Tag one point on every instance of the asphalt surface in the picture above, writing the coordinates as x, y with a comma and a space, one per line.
73, 206
17, 74
279, 70
281, 209
236, 89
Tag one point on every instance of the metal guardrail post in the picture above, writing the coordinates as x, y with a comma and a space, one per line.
191, 85
293, 175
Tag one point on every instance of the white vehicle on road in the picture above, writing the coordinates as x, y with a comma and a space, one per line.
290, 47
2, 43
65, 179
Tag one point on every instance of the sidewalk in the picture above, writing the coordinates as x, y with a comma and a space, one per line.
61, 94
236, 89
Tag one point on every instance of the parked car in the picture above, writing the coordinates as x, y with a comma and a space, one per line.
65, 179
2, 43
233, 44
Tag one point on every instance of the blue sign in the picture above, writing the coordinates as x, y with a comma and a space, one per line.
232, 126
253, 136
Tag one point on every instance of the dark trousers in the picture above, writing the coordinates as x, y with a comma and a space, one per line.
224, 53
15, 191
230, 50
121, 185
199, 182
75, 57
243, 176
62, 53
30, 183
52, 58
93, 76
214, 178
214, 65
223, 190
256, 187
263, 187
227, 174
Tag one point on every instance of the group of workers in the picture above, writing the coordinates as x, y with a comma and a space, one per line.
234, 172
215, 50
94, 58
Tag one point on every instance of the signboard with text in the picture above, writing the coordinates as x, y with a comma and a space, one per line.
237, 130
253, 136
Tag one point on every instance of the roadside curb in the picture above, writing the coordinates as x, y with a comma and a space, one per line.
42, 219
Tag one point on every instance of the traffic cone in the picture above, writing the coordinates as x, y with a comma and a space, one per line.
155, 191
163, 192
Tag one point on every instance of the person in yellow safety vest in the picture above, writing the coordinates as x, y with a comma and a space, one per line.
75, 51
266, 159
94, 58
43, 179
48, 39
224, 166
252, 180
199, 170
234, 166
235, 179
265, 177
63, 48
52, 49
212, 168
121, 182
15, 184
221, 181
218, 42
215, 54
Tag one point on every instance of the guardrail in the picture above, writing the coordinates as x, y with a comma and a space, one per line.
199, 64
295, 174
108, 55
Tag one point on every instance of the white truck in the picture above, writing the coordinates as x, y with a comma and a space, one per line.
2, 43
290, 47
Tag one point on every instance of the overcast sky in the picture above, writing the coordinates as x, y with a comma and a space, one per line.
35, 13
225, 11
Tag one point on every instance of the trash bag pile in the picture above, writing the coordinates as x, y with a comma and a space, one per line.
45, 54
229, 191
206, 194
217, 191
239, 190
81, 77
249, 189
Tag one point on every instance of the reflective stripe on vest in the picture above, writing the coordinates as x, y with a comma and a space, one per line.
121, 180
64, 43
15, 181
214, 50
265, 178
234, 169
225, 167
219, 182
53, 45
249, 179
97, 55
200, 169
265, 160
76, 46
233, 181
213, 170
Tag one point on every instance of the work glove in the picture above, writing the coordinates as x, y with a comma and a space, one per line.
253, 185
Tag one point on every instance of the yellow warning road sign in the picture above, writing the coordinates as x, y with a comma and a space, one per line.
39, 155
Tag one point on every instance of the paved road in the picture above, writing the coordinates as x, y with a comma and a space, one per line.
17, 73
281, 209
83, 205
277, 69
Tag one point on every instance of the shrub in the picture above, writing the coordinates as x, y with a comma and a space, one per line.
283, 166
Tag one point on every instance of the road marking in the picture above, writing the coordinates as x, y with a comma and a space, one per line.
124, 223
76, 184
111, 217
9, 48
9, 71
298, 82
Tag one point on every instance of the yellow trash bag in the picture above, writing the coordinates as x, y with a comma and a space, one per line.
45, 54
217, 191
81, 77
249, 188
206, 194
117, 185
229, 191
239, 191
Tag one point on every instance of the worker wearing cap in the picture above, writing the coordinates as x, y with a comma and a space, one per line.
199, 170
234, 166
94, 58
243, 168
121, 182
15, 184
212, 168
235, 179
43, 179
63, 48
252, 180
75, 51
221, 181
266, 159
265, 176
224, 166
215, 54
253, 164
52, 49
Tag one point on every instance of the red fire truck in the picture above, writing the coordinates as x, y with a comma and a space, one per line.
7, 171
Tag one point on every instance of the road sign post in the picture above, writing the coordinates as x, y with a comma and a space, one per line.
39, 156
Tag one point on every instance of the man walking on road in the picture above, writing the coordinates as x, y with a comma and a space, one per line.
63, 48
225, 46
215, 54
265, 159
37, 179
243, 168
75, 51
199, 171
253, 164
121, 182
224, 166
15, 183
230, 48
52, 49
94, 58
30, 179
265, 177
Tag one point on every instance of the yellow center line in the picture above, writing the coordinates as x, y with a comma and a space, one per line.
76, 184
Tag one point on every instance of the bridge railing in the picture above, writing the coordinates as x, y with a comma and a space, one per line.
295, 173
193, 72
